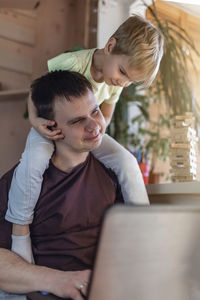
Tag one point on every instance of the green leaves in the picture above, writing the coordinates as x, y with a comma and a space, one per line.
173, 83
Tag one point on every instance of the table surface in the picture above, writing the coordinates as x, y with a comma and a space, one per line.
30, 296
39, 296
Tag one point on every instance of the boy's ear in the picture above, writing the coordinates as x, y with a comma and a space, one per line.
110, 45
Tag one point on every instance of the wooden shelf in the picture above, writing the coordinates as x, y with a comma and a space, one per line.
179, 193
13, 94
174, 188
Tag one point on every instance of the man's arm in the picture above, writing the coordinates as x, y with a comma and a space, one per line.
19, 277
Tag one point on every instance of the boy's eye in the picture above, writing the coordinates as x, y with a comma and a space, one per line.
96, 111
122, 72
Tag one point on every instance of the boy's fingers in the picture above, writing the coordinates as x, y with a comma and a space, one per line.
49, 122
58, 137
51, 133
55, 138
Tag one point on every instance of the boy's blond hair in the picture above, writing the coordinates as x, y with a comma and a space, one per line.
143, 43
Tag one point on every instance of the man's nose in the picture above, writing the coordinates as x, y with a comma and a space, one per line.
92, 126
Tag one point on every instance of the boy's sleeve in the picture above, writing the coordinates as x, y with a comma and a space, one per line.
64, 61
114, 97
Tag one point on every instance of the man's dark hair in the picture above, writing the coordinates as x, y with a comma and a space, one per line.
66, 84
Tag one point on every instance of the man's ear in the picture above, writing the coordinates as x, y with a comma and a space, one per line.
110, 45
52, 128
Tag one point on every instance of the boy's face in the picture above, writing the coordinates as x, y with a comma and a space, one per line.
116, 71
81, 122
116, 68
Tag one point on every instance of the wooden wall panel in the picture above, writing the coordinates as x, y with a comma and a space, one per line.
17, 32
13, 80
28, 13
13, 74
17, 45
22, 18
17, 48
23, 4
55, 31
28, 38
64, 24
14, 129
15, 61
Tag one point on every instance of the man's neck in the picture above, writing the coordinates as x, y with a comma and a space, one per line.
67, 161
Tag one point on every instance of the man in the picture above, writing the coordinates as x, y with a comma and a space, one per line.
77, 189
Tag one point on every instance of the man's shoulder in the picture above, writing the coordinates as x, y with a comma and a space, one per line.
108, 171
8, 175
5, 182
108, 180
5, 226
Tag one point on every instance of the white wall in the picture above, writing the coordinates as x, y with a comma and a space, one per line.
111, 14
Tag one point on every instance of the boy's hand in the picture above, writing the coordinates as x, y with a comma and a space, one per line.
41, 125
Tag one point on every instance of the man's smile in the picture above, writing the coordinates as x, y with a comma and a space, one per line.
94, 138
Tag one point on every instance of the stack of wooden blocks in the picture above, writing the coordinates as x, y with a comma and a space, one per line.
184, 157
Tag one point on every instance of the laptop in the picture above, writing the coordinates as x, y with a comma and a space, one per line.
148, 253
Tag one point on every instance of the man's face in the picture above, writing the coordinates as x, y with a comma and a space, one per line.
116, 71
81, 122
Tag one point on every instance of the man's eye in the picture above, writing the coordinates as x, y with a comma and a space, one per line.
76, 122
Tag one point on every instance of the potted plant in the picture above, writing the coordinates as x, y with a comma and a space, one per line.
171, 86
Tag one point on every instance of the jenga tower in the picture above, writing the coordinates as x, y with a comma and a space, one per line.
183, 149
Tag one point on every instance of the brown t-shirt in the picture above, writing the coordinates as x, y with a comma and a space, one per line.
68, 214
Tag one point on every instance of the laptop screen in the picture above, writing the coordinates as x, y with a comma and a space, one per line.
148, 253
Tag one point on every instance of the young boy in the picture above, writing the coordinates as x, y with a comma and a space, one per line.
131, 55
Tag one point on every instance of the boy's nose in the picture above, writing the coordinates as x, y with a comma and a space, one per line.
124, 83
127, 83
